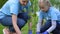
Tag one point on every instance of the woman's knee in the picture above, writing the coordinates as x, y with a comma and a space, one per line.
20, 22
6, 21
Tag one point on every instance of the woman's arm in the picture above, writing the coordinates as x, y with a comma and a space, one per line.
14, 21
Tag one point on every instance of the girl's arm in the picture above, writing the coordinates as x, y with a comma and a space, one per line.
52, 27
30, 26
39, 24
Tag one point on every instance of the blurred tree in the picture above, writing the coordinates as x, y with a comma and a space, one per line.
2, 2
56, 3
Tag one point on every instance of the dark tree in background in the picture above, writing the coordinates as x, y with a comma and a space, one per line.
2, 2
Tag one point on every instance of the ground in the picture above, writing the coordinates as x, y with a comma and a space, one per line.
25, 28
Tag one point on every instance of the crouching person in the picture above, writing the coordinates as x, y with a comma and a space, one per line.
14, 15
51, 16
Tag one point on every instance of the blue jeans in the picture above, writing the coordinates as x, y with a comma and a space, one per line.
48, 25
24, 16
21, 21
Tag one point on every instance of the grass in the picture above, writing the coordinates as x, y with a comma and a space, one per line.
1, 28
24, 29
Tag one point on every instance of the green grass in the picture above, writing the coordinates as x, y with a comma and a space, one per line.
1, 28
24, 29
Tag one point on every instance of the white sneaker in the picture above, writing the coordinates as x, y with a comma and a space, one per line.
4, 31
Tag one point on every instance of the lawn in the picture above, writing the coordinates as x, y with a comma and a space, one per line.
25, 28
1, 28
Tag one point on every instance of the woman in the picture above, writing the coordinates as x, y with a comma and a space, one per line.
14, 15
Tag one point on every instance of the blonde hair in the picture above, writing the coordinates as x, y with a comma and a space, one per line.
46, 2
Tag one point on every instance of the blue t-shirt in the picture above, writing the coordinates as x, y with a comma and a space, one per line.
51, 14
12, 7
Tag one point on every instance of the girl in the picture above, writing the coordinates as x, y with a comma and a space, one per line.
51, 16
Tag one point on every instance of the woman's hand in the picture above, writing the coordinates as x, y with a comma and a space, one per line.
14, 22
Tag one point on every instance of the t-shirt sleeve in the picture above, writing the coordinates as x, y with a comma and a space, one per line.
54, 15
14, 8
40, 15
